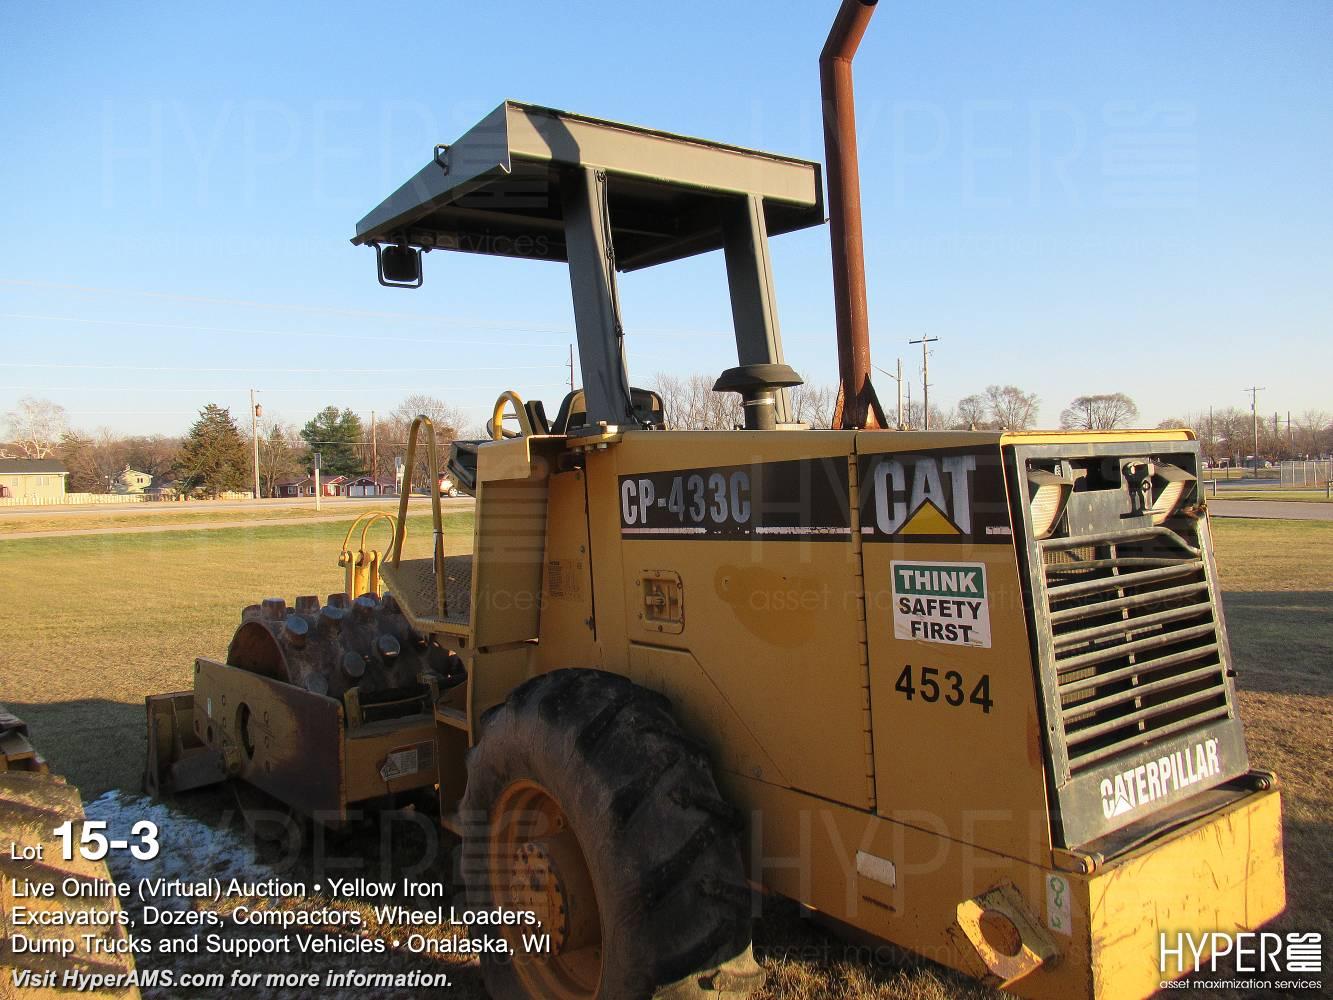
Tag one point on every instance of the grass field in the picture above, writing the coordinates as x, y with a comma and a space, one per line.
151, 515
96, 622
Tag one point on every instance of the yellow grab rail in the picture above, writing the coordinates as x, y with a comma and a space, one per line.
363, 567
498, 415
437, 518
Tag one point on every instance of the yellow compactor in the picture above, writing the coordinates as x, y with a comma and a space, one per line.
970, 693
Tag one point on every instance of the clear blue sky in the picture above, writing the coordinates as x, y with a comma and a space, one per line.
1073, 197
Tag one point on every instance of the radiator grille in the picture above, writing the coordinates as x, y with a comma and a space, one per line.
1134, 641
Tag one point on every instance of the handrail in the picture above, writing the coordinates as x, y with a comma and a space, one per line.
437, 518
371, 518
497, 415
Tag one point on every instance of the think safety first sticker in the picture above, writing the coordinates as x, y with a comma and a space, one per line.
941, 602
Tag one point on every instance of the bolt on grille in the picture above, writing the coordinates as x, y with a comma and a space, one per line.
1134, 641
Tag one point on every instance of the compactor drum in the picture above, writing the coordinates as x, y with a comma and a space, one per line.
320, 707
967, 692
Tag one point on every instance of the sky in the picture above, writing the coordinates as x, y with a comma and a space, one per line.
1074, 198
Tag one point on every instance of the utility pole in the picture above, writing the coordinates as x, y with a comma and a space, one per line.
925, 378
255, 411
1254, 391
899, 379
374, 454
571, 367
909, 404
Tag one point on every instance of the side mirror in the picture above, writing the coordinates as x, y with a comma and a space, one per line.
399, 266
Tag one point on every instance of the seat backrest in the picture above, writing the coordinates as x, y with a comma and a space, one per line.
573, 412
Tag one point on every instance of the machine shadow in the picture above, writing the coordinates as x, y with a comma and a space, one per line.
1281, 640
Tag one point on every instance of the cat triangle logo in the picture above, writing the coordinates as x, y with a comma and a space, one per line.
929, 520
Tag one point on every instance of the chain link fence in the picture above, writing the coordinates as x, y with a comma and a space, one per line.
1306, 473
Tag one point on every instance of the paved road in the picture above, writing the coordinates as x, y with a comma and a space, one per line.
1287, 510
329, 504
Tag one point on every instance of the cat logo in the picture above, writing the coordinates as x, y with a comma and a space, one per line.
955, 495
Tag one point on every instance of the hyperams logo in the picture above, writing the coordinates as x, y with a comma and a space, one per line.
952, 495
1139, 786
776, 501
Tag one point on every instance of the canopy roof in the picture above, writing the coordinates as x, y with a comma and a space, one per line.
497, 189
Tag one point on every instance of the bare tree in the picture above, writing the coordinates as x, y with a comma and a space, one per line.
393, 431
692, 405
973, 413
94, 461
36, 426
1011, 408
279, 455
154, 454
813, 404
915, 416
1099, 412
1314, 433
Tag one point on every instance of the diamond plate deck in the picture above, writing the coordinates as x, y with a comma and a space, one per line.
412, 582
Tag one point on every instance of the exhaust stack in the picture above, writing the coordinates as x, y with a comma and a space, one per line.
859, 405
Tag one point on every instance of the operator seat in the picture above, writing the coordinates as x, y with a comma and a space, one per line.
573, 412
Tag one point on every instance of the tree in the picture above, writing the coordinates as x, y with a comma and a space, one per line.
449, 422
1099, 412
813, 404
1314, 433
337, 435
36, 426
973, 413
93, 461
154, 454
214, 457
1011, 408
279, 457
692, 405
915, 413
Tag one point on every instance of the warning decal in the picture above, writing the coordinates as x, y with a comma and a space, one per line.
941, 602
407, 761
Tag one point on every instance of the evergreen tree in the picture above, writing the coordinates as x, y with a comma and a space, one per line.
336, 435
214, 457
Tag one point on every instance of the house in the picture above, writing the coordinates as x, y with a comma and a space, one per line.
294, 488
366, 486
133, 481
333, 487
32, 478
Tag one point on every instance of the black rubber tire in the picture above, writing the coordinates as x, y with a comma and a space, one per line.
662, 846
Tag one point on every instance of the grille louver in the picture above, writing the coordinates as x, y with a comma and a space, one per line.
1134, 641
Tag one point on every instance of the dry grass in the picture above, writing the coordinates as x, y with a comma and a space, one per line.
154, 514
94, 623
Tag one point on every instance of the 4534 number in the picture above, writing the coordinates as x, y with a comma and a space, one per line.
929, 684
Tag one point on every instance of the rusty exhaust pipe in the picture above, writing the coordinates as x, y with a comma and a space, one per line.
859, 406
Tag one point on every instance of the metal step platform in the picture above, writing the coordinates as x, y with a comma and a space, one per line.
412, 583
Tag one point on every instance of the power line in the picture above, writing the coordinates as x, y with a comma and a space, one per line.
339, 391
442, 340
269, 370
280, 306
